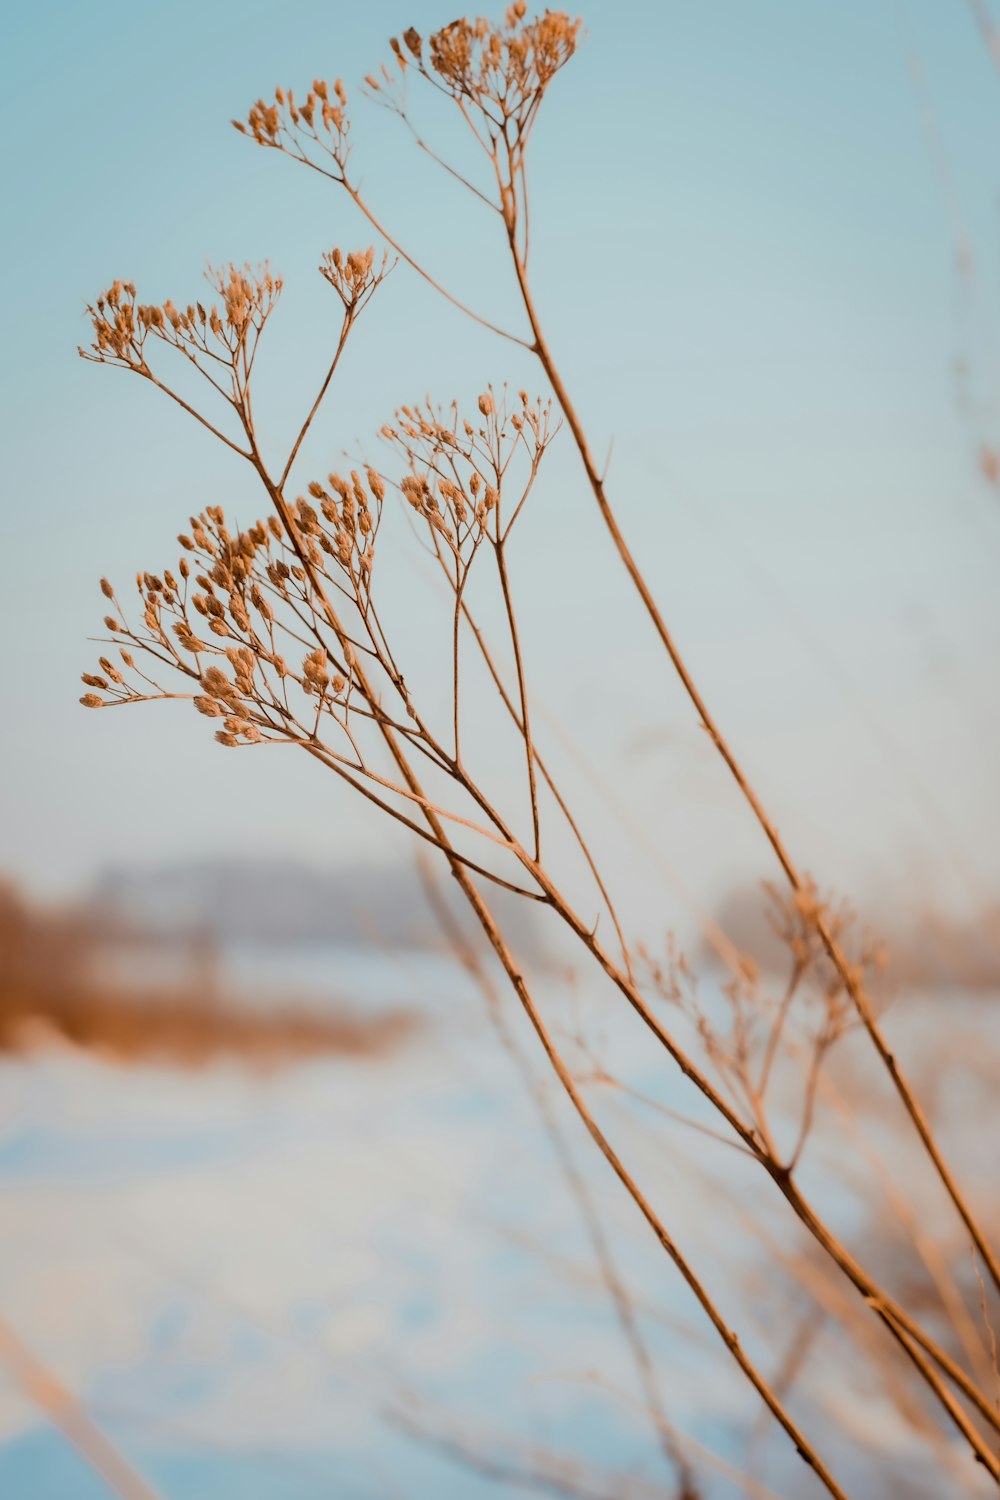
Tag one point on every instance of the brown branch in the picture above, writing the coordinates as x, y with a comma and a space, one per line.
624, 1307
795, 879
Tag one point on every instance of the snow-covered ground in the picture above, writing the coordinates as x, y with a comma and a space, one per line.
247, 1277
327, 1280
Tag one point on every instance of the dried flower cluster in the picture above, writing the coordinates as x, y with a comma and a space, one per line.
121, 325
497, 75
749, 1030
249, 595
458, 468
353, 276
247, 618
501, 70
284, 123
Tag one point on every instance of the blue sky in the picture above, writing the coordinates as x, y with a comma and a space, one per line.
744, 258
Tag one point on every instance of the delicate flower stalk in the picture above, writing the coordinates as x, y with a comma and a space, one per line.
497, 76
277, 631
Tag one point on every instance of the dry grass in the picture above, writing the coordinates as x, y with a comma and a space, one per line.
54, 988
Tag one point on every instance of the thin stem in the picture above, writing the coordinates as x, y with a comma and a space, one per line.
668, 1244
891, 1313
344, 331
355, 196
71, 1417
440, 161
553, 788
332, 764
522, 693
488, 924
845, 970
425, 275
624, 1307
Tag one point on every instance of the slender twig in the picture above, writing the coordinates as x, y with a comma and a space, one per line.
67, 1413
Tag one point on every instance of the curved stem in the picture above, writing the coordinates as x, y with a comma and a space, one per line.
668, 1244
848, 976
72, 1419
493, 934
575, 1181
522, 689
550, 782
345, 330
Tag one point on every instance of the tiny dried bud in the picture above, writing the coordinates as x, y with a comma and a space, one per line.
375, 484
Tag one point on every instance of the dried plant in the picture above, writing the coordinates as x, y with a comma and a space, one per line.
281, 632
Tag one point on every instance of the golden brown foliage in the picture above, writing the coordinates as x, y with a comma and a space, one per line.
53, 986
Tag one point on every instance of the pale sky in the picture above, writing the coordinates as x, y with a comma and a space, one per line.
745, 255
